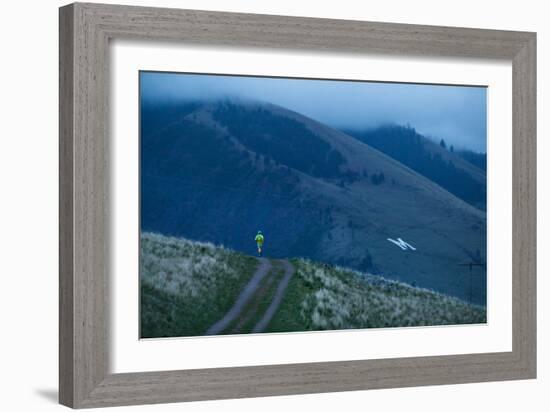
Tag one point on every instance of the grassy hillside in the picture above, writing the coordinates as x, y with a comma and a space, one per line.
187, 286
322, 297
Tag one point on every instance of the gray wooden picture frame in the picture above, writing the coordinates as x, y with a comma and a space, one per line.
85, 31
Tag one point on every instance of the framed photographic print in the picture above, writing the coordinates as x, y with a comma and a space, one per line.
244, 196
257, 205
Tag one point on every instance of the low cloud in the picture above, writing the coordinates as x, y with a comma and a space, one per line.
454, 113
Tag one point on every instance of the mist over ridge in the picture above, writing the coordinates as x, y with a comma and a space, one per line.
456, 114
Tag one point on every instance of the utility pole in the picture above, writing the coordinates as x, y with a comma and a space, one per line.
471, 265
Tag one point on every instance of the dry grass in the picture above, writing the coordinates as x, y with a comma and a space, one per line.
341, 298
183, 267
321, 297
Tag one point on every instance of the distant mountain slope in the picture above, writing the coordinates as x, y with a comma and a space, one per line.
456, 172
224, 170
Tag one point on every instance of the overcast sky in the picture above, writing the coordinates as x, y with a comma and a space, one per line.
455, 113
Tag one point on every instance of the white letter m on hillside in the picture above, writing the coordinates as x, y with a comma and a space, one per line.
402, 244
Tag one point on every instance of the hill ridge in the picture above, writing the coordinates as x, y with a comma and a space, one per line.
333, 198
314, 296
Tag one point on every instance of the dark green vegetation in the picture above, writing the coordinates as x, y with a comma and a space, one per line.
199, 182
477, 159
322, 297
460, 172
220, 171
283, 140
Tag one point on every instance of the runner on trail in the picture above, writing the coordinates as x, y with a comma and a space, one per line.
259, 242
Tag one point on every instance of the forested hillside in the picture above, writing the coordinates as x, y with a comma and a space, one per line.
460, 172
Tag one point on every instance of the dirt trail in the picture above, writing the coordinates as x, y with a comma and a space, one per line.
242, 300
268, 315
246, 306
